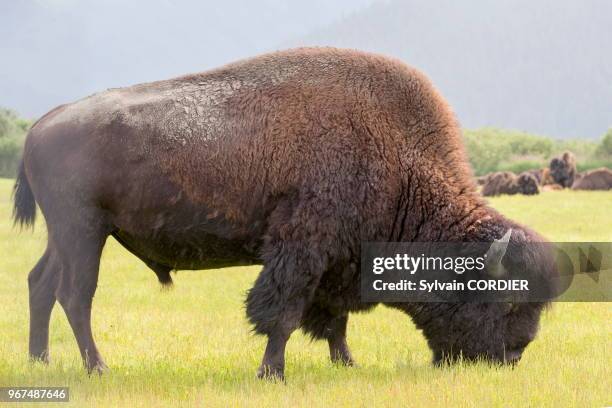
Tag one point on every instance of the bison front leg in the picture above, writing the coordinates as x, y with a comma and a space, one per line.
338, 348
276, 302
321, 323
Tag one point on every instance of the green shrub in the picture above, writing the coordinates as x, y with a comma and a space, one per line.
604, 149
484, 150
594, 164
491, 149
521, 166
12, 134
10, 153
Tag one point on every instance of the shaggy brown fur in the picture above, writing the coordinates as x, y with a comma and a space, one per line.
598, 179
546, 177
508, 183
502, 182
527, 184
563, 169
481, 180
537, 174
292, 159
542, 176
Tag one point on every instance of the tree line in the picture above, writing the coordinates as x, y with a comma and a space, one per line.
492, 149
13, 130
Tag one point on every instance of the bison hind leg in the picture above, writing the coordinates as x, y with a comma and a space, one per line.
320, 323
42, 283
79, 247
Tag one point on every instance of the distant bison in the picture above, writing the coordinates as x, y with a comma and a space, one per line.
506, 182
563, 169
598, 179
292, 159
542, 176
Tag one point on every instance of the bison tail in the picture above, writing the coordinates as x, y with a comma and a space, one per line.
24, 210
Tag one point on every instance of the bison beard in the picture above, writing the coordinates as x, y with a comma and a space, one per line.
292, 159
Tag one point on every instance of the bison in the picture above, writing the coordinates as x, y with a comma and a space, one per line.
506, 182
542, 176
563, 169
598, 179
481, 180
527, 184
291, 159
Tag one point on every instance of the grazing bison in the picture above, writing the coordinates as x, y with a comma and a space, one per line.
505, 182
598, 179
563, 169
291, 159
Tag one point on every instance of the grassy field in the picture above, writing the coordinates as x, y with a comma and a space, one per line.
192, 346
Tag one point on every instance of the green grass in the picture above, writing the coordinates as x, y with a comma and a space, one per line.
192, 345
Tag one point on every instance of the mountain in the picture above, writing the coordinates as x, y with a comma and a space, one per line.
543, 66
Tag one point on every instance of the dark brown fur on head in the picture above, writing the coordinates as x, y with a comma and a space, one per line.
528, 184
563, 169
498, 331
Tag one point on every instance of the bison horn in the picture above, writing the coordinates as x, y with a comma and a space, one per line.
495, 254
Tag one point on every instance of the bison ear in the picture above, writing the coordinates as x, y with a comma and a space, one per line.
495, 254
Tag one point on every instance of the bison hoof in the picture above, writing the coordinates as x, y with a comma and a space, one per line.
98, 368
342, 356
270, 373
42, 357
345, 362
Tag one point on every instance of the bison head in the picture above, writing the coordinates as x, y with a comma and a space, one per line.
497, 331
563, 169
528, 184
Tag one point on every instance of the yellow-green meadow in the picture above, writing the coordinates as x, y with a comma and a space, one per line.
191, 345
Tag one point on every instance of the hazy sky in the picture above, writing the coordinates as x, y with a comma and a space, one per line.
543, 66
55, 51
